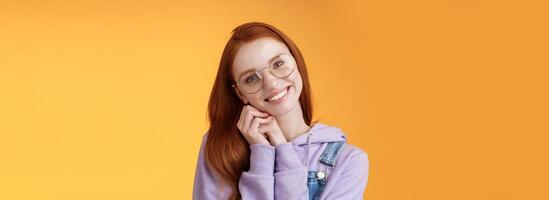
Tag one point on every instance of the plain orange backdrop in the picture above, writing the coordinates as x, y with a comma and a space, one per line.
107, 99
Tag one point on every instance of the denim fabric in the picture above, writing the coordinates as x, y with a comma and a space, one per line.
330, 154
328, 157
314, 185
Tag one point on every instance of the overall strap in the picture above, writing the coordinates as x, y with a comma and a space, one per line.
330, 153
328, 157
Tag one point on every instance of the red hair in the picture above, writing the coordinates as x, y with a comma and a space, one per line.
227, 151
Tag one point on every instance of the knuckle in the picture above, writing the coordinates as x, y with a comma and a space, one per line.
257, 119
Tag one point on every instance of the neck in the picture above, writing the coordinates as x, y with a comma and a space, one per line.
292, 123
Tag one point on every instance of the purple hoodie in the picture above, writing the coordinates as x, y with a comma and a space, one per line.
281, 172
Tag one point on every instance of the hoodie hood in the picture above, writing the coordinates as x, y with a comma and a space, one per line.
318, 133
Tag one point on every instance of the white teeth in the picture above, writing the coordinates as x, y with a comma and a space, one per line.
278, 96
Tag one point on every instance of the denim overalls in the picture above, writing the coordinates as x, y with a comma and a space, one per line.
316, 179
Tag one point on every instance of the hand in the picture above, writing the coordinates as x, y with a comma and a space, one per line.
249, 124
259, 127
272, 130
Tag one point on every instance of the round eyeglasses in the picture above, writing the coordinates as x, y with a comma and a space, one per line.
280, 66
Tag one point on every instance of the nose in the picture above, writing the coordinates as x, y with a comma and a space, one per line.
270, 81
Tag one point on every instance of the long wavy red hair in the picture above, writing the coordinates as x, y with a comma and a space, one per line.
227, 151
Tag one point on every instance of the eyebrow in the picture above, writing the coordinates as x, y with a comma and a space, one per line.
251, 70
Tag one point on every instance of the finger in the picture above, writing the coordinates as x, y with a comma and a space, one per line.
242, 117
250, 114
272, 120
244, 121
270, 123
263, 122
265, 127
258, 112
256, 125
248, 117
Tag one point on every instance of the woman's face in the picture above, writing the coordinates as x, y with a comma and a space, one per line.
258, 54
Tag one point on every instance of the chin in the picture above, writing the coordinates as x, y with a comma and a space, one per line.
281, 110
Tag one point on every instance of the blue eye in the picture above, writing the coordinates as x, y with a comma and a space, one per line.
251, 78
279, 63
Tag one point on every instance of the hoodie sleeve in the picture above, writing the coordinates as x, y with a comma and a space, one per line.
353, 180
256, 183
290, 174
206, 184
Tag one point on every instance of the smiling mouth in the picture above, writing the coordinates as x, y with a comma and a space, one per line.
278, 96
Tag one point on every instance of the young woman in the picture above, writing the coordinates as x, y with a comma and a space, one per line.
261, 143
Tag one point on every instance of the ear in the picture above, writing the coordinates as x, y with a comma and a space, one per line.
239, 93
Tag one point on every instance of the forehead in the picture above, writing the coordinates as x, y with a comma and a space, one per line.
256, 53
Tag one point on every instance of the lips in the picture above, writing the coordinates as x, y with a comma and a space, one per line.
278, 92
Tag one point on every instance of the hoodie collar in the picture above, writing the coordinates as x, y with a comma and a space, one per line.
320, 133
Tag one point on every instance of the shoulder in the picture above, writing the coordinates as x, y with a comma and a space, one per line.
204, 138
353, 155
203, 143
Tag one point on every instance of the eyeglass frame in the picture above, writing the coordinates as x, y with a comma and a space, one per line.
271, 70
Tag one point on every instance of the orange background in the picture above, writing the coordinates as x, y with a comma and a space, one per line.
107, 99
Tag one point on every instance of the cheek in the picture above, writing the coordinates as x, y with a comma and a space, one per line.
295, 78
298, 84
254, 97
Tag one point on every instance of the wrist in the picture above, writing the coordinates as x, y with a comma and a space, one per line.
279, 141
